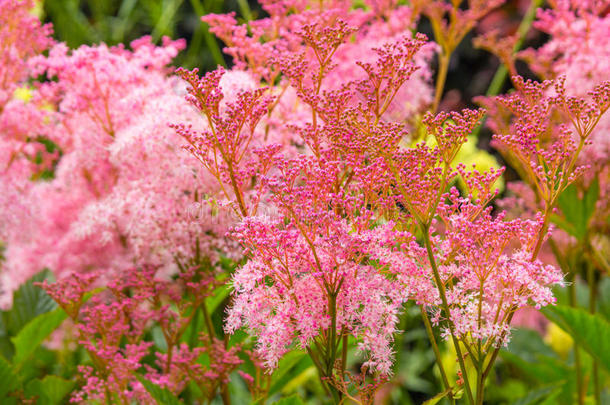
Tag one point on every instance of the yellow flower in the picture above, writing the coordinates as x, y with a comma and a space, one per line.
38, 9
559, 340
23, 93
452, 367
470, 155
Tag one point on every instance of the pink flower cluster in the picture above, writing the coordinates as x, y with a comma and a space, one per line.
578, 50
121, 190
315, 273
337, 254
112, 323
22, 37
487, 267
22, 112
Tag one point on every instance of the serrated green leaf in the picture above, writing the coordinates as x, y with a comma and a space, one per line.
29, 301
50, 390
591, 332
8, 378
35, 332
162, 395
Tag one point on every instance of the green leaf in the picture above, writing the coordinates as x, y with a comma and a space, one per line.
162, 395
591, 332
244, 7
604, 297
70, 23
435, 399
535, 396
566, 226
543, 368
577, 212
414, 364
8, 379
190, 335
220, 294
238, 390
6, 347
291, 400
528, 345
240, 336
289, 367
551, 399
29, 301
50, 390
590, 199
35, 332
570, 204
166, 20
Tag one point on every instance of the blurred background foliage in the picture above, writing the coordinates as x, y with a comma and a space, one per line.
78, 22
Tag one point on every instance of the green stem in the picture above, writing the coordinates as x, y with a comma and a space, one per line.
210, 40
330, 390
446, 310
321, 371
162, 26
325, 364
208, 321
194, 329
500, 77
332, 345
569, 269
330, 359
592, 304
443, 68
480, 358
224, 390
437, 353
480, 386
224, 394
501, 74
244, 7
543, 231
344, 354
577, 363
